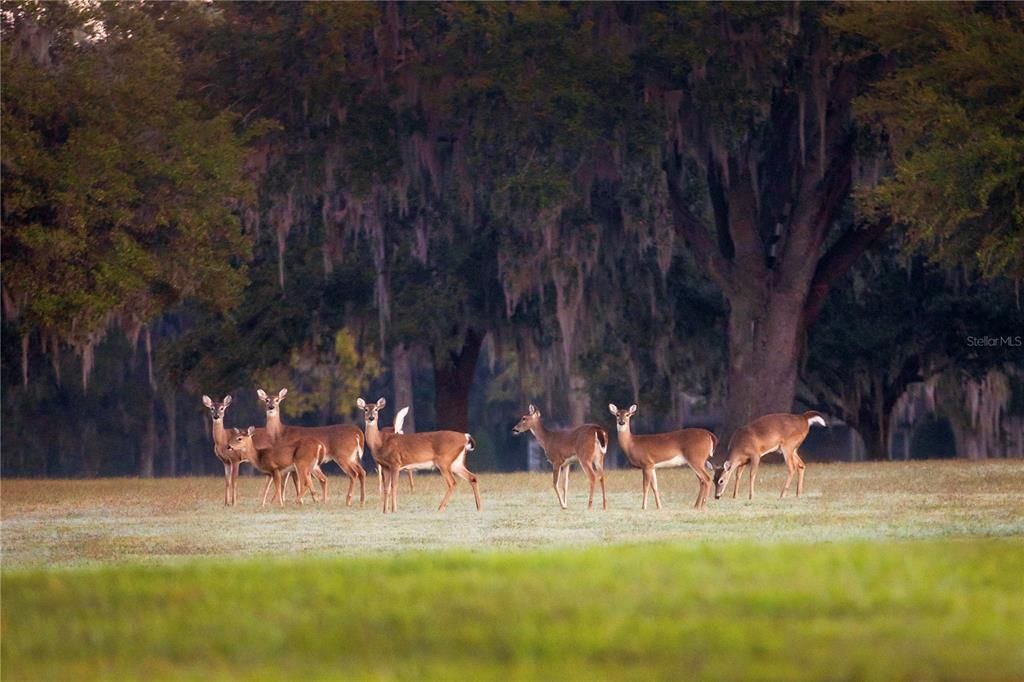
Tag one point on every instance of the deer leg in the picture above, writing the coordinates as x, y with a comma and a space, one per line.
800, 466
704, 480
385, 474
736, 484
362, 483
393, 487
791, 469
234, 482
588, 469
556, 480
459, 467
647, 485
654, 485
754, 463
227, 484
320, 476
380, 480
279, 487
412, 486
450, 481
266, 490
352, 478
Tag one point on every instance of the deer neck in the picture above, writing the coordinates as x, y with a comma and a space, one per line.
541, 434
220, 434
275, 429
374, 437
625, 435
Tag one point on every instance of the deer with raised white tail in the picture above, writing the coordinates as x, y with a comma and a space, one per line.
445, 450
376, 434
650, 452
585, 444
300, 456
343, 442
783, 433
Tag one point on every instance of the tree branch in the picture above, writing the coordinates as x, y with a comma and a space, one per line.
693, 230
836, 262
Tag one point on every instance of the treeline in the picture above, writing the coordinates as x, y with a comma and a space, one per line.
713, 209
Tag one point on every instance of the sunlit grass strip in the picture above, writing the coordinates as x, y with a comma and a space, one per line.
903, 610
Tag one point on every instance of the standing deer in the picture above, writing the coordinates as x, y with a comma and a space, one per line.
445, 450
343, 442
300, 456
375, 435
228, 458
586, 444
771, 433
693, 447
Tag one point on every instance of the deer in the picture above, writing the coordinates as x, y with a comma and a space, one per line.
375, 435
220, 447
650, 452
445, 450
300, 456
585, 444
783, 433
343, 442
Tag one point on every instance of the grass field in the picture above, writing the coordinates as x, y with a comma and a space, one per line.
881, 571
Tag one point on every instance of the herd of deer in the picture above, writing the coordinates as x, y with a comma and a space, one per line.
280, 450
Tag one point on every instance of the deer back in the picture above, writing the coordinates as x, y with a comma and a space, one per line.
417, 448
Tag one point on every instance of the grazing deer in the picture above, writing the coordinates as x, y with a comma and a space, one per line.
586, 444
228, 458
343, 442
445, 450
771, 433
375, 435
300, 456
693, 447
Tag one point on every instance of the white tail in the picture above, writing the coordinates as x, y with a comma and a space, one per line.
783, 433
400, 419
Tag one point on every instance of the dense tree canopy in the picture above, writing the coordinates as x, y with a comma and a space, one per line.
632, 201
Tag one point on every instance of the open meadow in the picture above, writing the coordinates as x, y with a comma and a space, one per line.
880, 571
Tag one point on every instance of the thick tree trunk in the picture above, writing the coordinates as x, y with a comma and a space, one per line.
579, 400
875, 430
453, 379
764, 346
401, 378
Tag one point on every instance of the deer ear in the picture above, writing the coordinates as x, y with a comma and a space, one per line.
614, 410
252, 430
261, 393
360, 403
207, 401
632, 409
282, 393
531, 409
381, 403
727, 466
227, 400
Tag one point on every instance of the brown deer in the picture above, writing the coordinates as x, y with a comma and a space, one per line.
585, 444
228, 458
375, 435
445, 450
692, 447
343, 442
300, 456
771, 433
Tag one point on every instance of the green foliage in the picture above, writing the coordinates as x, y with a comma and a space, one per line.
118, 194
717, 611
952, 108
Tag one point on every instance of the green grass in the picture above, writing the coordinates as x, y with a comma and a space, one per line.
881, 571
901, 610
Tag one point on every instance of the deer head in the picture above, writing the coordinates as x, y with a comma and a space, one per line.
622, 417
721, 478
528, 421
271, 401
241, 442
217, 410
370, 410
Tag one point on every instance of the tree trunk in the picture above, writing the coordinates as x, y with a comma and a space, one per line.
401, 378
764, 346
453, 378
875, 431
171, 408
579, 400
149, 444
